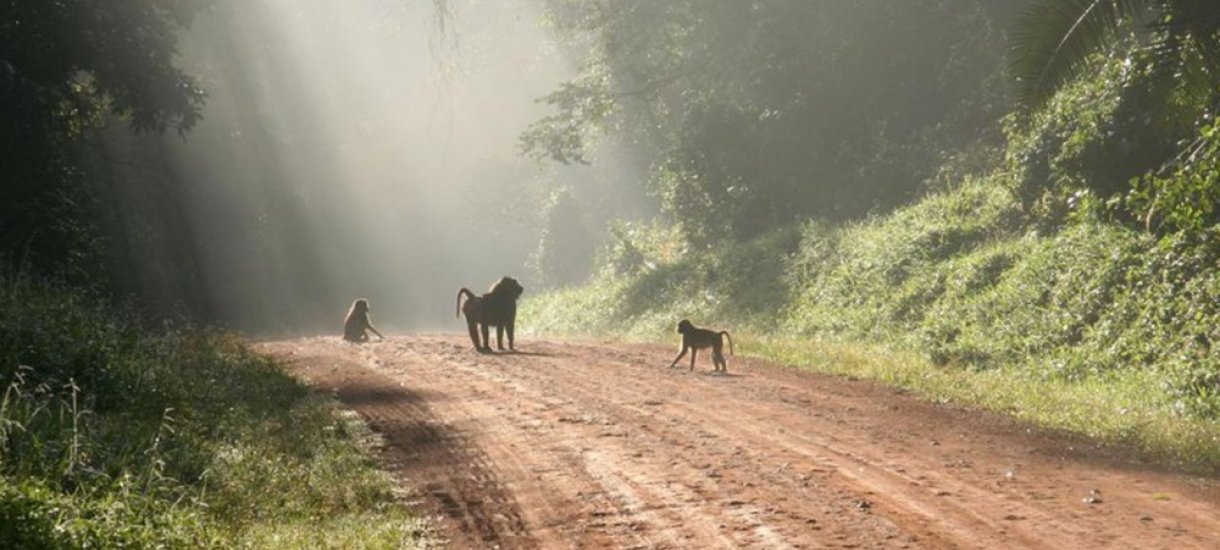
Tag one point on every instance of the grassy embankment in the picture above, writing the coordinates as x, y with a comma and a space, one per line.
112, 435
1082, 325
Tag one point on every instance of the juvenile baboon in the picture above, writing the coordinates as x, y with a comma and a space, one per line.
497, 308
695, 339
357, 323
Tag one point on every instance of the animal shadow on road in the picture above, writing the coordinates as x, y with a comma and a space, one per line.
465, 487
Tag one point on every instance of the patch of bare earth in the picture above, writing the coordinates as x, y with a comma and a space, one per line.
583, 445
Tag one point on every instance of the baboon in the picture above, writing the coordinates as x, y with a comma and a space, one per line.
357, 323
695, 339
497, 308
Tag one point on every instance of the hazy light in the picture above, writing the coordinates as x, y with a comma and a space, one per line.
348, 150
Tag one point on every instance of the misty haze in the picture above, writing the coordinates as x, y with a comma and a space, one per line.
525, 274
357, 149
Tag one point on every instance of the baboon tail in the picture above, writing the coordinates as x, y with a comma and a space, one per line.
730, 338
468, 294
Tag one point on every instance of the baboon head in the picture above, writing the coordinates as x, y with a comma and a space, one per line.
360, 305
685, 326
507, 288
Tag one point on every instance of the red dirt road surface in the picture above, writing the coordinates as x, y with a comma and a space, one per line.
587, 445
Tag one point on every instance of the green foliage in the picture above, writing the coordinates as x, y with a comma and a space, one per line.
649, 279
35, 516
64, 67
754, 115
1041, 303
1097, 133
1188, 198
563, 256
637, 247
959, 278
1117, 89
1102, 149
1178, 39
71, 58
561, 136
111, 435
896, 257
1055, 40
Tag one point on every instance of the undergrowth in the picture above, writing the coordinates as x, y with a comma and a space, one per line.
114, 434
1087, 326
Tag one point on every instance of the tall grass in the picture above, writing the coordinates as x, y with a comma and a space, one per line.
114, 434
1086, 326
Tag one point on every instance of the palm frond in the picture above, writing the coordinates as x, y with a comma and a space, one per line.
1056, 37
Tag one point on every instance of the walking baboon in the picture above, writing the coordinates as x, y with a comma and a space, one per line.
357, 323
497, 308
695, 339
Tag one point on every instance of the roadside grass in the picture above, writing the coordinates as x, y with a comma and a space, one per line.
1117, 409
114, 434
1079, 325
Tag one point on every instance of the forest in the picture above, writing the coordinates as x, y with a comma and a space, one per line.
1013, 205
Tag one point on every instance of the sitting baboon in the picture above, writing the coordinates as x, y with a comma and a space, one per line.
497, 308
695, 339
357, 323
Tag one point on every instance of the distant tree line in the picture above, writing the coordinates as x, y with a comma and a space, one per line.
756, 114
764, 113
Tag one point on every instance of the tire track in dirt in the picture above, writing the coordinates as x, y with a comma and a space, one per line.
965, 490
828, 454
582, 445
687, 489
630, 506
697, 476
456, 475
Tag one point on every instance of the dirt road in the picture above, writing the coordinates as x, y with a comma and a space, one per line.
582, 445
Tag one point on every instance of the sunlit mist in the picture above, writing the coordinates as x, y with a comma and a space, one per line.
360, 149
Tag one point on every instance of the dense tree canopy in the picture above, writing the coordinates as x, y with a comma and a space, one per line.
64, 67
70, 58
765, 112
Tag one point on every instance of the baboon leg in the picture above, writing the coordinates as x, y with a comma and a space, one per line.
678, 358
694, 352
509, 329
486, 337
499, 337
721, 364
474, 333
